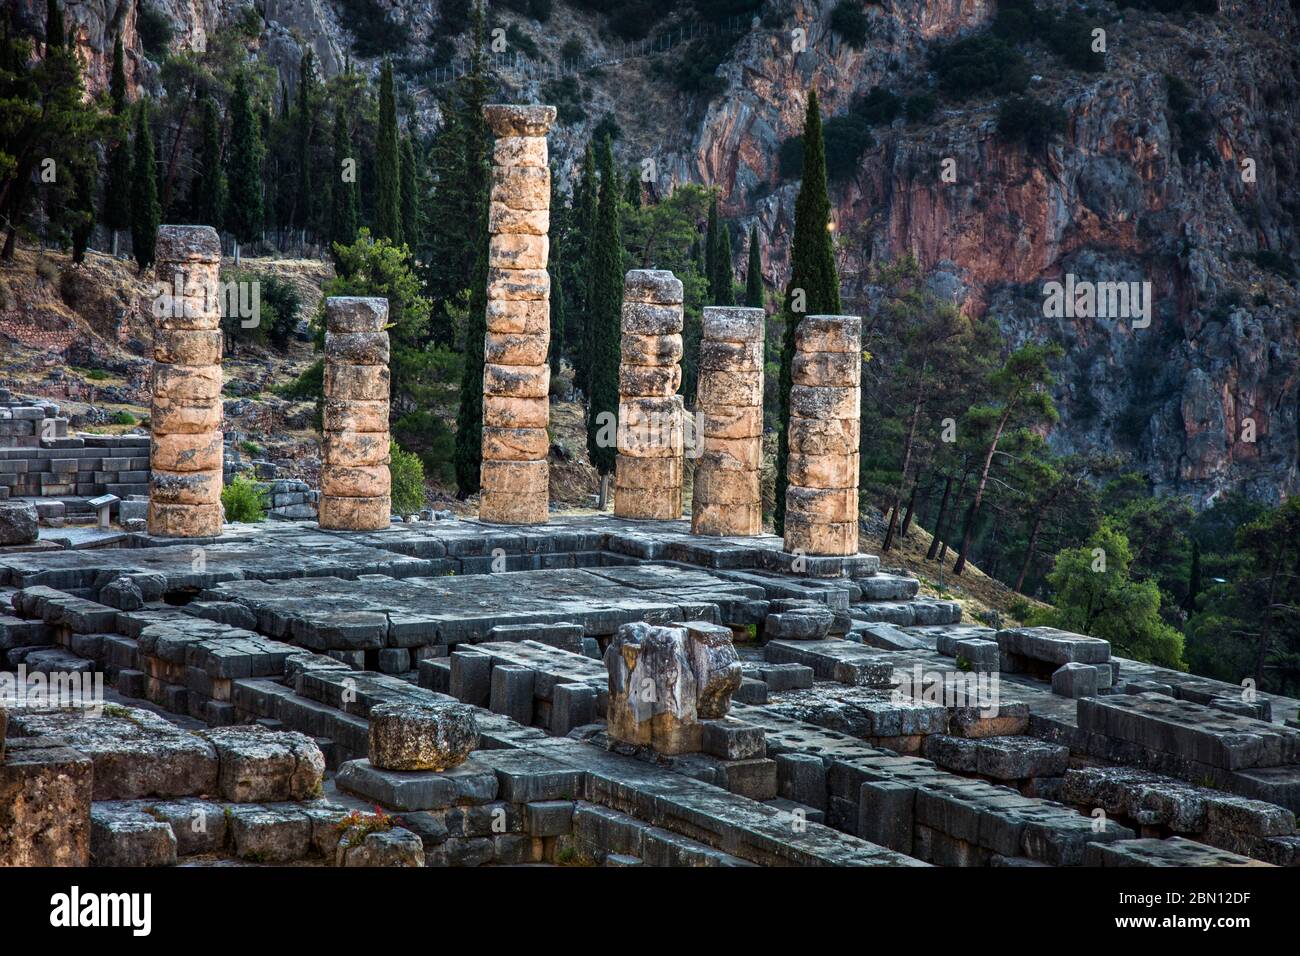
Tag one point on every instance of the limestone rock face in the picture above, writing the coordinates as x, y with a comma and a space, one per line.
726, 498
18, 522
516, 377
664, 680
821, 499
651, 418
434, 736
355, 481
185, 444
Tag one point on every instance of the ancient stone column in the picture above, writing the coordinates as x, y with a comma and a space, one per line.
651, 420
354, 478
516, 378
185, 408
726, 498
821, 501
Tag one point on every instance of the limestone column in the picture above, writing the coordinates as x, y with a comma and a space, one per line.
651, 420
516, 378
354, 478
726, 498
185, 408
821, 502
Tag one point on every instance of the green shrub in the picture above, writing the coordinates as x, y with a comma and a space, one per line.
374, 33
307, 387
1023, 119
1070, 37
155, 30
407, 473
980, 64
244, 500
846, 138
1275, 262
1191, 125
123, 418
849, 20
879, 106
921, 107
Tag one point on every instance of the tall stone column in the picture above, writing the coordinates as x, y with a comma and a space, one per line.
651, 420
726, 498
516, 378
354, 479
185, 407
821, 502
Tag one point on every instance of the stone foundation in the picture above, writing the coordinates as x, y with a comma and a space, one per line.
516, 377
821, 501
726, 498
355, 481
185, 450
651, 420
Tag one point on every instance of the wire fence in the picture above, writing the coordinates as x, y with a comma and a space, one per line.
525, 68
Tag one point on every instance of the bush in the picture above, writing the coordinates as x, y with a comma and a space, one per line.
921, 107
407, 473
849, 20
846, 138
281, 304
244, 500
155, 30
1190, 125
1023, 119
123, 418
980, 64
879, 106
1275, 262
374, 33
1070, 37
432, 441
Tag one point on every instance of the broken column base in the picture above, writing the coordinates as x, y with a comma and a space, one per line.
355, 514
514, 507
185, 521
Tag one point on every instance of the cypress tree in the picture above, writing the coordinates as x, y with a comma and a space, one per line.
145, 212
55, 36
303, 195
410, 193
754, 297
1193, 579
814, 286
117, 190
557, 252
469, 417
343, 186
633, 191
208, 187
388, 198
724, 284
83, 210
605, 318
244, 208
586, 200
711, 251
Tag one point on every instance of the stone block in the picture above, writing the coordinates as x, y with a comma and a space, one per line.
419, 736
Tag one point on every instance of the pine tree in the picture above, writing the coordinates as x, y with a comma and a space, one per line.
145, 211
388, 200
208, 187
605, 318
244, 209
711, 250
754, 295
814, 286
410, 193
724, 283
343, 186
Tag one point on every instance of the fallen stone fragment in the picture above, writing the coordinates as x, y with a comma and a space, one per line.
416, 736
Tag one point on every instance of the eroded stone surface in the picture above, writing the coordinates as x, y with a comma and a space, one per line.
421, 737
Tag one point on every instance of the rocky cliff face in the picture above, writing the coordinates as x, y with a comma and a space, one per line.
1202, 399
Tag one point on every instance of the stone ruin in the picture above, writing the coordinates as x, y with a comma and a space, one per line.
355, 482
516, 377
618, 690
651, 419
185, 447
